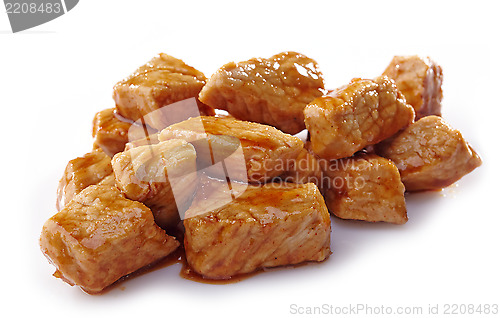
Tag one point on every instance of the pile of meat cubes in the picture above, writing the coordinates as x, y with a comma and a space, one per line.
160, 174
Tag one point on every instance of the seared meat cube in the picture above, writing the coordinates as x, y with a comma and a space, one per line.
266, 151
365, 187
100, 236
430, 154
82, 172
162, 176
306, 168
419, 79
160, 82
270, 91
359, 114
272, 225
110, 132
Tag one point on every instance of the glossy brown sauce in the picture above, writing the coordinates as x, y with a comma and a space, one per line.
177, 257
171, 259
188, 273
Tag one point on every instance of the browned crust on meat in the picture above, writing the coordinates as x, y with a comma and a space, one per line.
430, 154
366, 187
271, 91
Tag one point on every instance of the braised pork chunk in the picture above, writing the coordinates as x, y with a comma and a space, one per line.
101, 236
266, 151
162, 176
81, 172
419, 79
430, 154
160, 82
110, 133
272, 225
359, 114
270, 91
365, 187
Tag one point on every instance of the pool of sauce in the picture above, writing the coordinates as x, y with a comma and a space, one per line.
177, 257
188, 273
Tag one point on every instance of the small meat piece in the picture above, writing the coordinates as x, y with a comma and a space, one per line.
272, 225
162, 176
419, 79
110, 132
82, 172
270, 91
306, 168
354, 116
101, 236
265, 154
160, 82
365, 187
430, 154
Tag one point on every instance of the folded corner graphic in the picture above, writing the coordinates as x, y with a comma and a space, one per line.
70, 4
25, 15
200, 171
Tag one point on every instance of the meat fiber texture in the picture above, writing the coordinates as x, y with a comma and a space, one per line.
430, 154
250, 151
162, 176
81, 172
162, 81
264, 226
365, 187
420, 80
112, 132
305, 168
271, 91
101, 236
354, 116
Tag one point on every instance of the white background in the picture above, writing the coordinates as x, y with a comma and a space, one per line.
55, 77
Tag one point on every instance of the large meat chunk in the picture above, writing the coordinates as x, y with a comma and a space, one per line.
162, 81
362, 113
101, 236
250, 151
270, 91
419, 79
430, 154
365, 187
82, 172
264, 226
162, 176
110, 132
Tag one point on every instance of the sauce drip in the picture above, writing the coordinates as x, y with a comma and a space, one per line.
177, 257
188, 273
